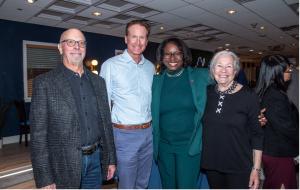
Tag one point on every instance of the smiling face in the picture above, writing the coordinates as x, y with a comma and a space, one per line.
224, 71
136, 40
172, 57
72, 55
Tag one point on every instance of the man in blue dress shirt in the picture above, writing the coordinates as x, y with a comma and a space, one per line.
129, 79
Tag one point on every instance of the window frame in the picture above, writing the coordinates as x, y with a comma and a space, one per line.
27, 43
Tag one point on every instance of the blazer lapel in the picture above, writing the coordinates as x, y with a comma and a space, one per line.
199, 95
66, 90
156, 92
193, 87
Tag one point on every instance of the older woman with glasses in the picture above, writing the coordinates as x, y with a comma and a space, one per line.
232, 136
281, 142
178, 101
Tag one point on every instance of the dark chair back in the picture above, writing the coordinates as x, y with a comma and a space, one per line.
4, 107
23, 122
20, 106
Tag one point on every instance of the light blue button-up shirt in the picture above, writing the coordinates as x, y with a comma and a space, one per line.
129, 88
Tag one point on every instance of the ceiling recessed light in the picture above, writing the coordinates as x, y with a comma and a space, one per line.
260, 53
161, 28
251, 50
96, 13
227, 45
262, 27
232, 11
31, 1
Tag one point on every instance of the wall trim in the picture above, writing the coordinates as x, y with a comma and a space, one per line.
13, 139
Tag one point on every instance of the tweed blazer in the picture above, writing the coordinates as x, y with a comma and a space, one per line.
199, 79
55, 132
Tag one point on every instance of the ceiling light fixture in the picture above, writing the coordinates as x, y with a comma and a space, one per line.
227, 45
260, 53
227, 49
161, 28
251, 50
97, 13
262, 27
31, 1
231, 11
253, 25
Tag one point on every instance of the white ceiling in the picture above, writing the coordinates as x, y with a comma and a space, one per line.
203, 24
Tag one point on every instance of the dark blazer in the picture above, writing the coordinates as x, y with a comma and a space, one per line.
55, 132
199, 80
282, 129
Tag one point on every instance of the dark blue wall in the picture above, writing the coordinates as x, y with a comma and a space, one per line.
100, 47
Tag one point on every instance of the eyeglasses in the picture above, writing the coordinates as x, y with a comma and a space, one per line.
72, 43
289, 70
176, 54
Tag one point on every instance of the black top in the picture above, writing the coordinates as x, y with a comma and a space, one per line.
86, 104
230, 136
282, 128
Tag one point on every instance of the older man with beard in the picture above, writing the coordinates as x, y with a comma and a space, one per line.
71, 132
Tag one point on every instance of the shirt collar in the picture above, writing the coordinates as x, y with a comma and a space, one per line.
129, 59
73, 74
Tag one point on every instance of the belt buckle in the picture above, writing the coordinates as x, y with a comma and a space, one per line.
144, 126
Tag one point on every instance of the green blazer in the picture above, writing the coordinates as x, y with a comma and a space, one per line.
199, 79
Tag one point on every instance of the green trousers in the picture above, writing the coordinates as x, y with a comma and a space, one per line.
178, 169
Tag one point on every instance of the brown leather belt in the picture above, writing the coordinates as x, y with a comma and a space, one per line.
130, 127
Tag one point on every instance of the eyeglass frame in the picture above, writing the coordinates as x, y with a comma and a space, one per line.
289, 70
68, 41
176, 54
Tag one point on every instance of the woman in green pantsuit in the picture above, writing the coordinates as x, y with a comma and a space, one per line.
178, 101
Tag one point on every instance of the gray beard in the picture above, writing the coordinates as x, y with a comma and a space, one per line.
77, 64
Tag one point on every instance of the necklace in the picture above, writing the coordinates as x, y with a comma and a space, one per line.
222, 95
176, 74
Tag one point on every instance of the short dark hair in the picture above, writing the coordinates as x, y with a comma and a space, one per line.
186, 52
139, 22
272, 68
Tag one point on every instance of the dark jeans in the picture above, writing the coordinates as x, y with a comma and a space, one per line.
91, 171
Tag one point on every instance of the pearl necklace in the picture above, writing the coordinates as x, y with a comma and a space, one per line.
175, 75
222, 95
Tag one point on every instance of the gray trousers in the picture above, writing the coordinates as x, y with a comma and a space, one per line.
134, 157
